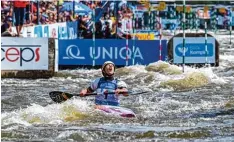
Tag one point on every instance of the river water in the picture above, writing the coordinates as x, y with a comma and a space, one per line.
196, 105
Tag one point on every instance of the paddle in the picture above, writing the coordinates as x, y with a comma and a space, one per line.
58, 96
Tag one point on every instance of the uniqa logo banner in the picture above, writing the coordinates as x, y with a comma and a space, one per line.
83, 52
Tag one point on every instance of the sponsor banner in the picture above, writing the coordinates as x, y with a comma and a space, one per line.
194, 50
147, 32
24, 53
144, 36
53, 30
81, 52
62, 31
41, 31
72, 30
58, 30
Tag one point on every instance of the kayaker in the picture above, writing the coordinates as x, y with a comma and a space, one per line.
106, 84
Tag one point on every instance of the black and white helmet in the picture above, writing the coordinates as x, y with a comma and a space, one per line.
103, 69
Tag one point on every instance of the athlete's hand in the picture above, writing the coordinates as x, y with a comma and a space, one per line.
117, 92
121, 91
83, 92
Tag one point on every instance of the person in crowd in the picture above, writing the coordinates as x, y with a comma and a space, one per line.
6, 28
107, 31
19, 7
122, 34
105, 84
69, 16
5, 7
62, 17
98, 33
28, 14
82, 27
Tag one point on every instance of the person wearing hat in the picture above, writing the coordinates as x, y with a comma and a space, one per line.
6, 27
106, 84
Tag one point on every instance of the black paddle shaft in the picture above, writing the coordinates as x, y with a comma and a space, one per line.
58, 96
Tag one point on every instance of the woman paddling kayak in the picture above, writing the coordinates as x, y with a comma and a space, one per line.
107, 90
106, 84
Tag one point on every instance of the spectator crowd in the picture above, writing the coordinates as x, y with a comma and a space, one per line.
116, 20
22, 13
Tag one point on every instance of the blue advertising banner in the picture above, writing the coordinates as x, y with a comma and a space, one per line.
72, 29
41, 31
195, 50
46, 31
81, 52
38, 31
62, 32
67, 30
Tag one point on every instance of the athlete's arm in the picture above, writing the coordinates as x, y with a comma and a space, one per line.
122, 87
91, 88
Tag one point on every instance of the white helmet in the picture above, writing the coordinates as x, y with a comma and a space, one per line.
103, 69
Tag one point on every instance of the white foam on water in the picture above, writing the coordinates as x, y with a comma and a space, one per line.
50, 114
65, 134
138, 128
168, 106
138, 68
207, 71
12, 118
227, 57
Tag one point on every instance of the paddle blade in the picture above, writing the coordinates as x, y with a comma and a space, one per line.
58, 96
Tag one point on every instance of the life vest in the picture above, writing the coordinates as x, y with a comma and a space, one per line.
106, 99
